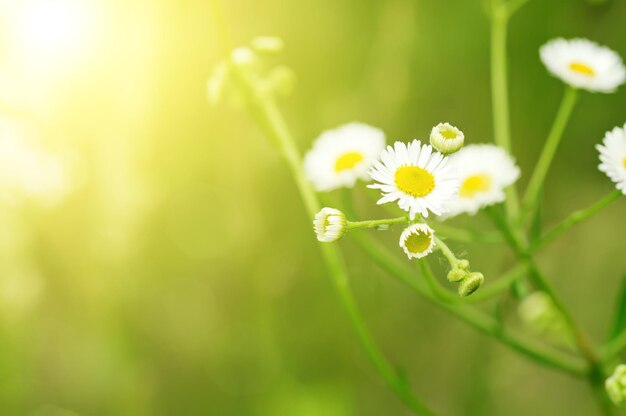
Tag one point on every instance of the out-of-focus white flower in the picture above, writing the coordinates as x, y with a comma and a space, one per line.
484, 171
341, 156
584, 64
613, 156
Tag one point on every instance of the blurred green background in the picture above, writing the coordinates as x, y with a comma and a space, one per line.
155, 258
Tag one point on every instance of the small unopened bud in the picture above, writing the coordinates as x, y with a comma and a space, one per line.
463, 264
446, 138
330, 225
471, 283
268, 44
456, 275
616, 386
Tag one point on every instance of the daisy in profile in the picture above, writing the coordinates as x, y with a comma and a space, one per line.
613, 156
417, 240
420, 179
584, 64
341, 156
330, 225
484, 171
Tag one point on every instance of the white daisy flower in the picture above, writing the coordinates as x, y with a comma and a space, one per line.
584, 64
446, 138
341, 156
330, 225
418, 178
417, 240
613, 156
484, 171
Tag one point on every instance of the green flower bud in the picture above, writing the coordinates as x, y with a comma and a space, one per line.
463, 264
456, 275
446, 138
471, 283
616, 386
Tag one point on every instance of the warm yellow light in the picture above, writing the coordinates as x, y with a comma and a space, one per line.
50, 32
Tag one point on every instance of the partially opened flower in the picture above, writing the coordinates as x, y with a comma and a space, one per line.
584, 64
446, 138
613, 156
418, 178
417, 240
484, 171
330, 225
341, 156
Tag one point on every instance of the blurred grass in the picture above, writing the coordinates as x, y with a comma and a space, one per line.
180, 275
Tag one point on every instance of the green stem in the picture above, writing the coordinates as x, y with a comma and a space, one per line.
352, 225
537, 277
475, 318
435, 287
446, 251
574, 219
547, 154
613, 347
500, 92
266, 113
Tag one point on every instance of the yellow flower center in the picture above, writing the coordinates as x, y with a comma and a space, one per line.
624, 162
414, 181
418, 242
348, 161
475, 184
448, 134
582, 68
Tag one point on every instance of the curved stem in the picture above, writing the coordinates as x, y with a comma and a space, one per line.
475, 318
269, 118
574, 219
547, 154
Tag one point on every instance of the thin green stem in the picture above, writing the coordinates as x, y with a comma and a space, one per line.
475, 318
352, 225
573, 219
446, 251
537, 277
513, 6
269, 118
500, 92
613, 347
436, 289
538, 177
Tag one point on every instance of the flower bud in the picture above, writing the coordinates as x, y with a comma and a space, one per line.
471, 283
446, 138
456, 275
267, 44
616, 386
330, 225
463, 264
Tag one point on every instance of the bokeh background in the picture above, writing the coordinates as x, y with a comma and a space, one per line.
155, 258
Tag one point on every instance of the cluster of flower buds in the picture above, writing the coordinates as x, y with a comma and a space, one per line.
278, 80
468, 281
